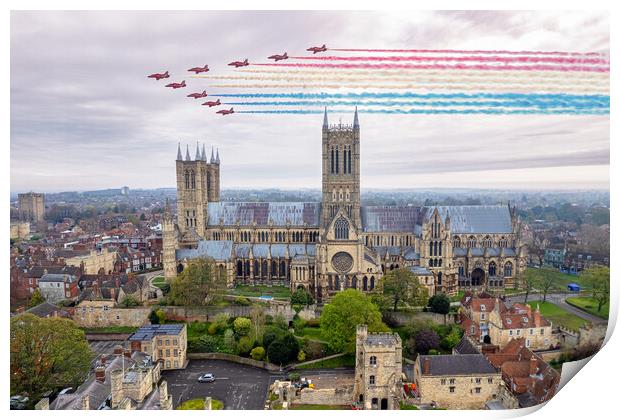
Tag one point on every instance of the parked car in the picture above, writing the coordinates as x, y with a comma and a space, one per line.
207, 377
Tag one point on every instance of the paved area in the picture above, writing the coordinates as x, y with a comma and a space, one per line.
330, 378
240, 387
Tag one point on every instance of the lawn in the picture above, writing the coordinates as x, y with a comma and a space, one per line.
312, 333
560, 280
347, 360
277, 292
457, 297
199, 404
590, 305
318, 407
558, 315
111, 330
159, 281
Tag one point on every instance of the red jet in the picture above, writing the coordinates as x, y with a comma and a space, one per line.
198, 95
226, 111
212, 103
278, 57
240, 63
200, 69
158, 76
176, 85
317, 49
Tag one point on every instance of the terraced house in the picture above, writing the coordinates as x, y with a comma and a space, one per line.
337, 243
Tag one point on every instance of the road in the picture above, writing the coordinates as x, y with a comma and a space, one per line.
559, 300
239, 387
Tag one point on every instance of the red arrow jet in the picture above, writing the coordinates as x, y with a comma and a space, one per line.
226, 111
200, 69
317, 49
176, 85
278, 57
240, 63
158, 76
198, 95
212, 103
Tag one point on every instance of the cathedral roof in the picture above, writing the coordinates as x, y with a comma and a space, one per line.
390, 218
476, 219
264, 214
276, 250
218, 250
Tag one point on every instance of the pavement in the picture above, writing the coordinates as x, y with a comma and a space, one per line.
558, 299
239, 387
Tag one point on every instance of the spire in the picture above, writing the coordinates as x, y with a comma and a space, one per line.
204, 154
356, 121
325, 118
197, 152
179, 154
187, 152
217, 156
212, 156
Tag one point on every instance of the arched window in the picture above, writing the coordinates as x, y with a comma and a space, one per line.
439, 249
274, 269
471, 242
192, 177
430, 249
372, 283
508, 269
365, 283
282, 269
373, 361
439, 278
341, 228
503, 243
492, 268
332, 160
337, 163
461, 270
354, 282
239, 268
456, 242
486, 243
187, 180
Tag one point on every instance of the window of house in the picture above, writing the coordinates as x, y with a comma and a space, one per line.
518, 332
373, 360
159, 342
167, 352
167, 342
371, 380
443, 381
478, 380
452, 381
175, 342
510, 332
168, 363
176, 364
118, 317
483, 307
452, 389
477, 390
482, 316
175, 352
161, 353
542, 331
490, 380
531, 331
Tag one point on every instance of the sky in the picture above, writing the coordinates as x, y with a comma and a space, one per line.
84, 115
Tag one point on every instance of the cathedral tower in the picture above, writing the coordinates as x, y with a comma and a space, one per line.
341, 171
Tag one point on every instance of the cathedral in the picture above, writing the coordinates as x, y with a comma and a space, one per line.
337, 243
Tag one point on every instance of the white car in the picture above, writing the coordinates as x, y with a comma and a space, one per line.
207, 377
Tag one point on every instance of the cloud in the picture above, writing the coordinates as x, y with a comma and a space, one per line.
84, 115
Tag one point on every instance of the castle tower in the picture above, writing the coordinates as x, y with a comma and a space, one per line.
341, 171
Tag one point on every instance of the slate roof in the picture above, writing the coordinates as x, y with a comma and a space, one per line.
149, 331
38, 271
465, 347
457, 364
420, 271
476, 219
390, 218
46, 309
57, 277
276, 250
264, 214
382, 339
218, 250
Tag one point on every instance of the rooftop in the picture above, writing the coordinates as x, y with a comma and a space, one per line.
149, 331
456, 364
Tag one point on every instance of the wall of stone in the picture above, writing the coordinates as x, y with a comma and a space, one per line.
112, 317
402, 318
180, 313
338, 396
235, 359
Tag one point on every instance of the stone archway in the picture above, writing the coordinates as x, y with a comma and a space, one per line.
477, 277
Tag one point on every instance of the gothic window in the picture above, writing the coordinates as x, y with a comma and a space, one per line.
274, 268
508, 269
332, 160
349, 169
282, 269
354, 282
439, 278
439, 264
456, 242
246, 268
263, 269
435, 246
430, 262
373, 361
492, 269
461, 270
341, 228
342, 262
503, 243
471, 242
365, 283
239, 268
186, 180
440, 249
337, 161
372, 282
430, 249
192, 177
486, 243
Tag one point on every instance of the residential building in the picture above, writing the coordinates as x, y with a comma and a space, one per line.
94, 262
106, 313
58, 287
165, 342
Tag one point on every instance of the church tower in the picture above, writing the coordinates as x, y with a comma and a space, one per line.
341, 171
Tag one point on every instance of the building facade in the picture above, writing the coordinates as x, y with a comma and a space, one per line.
166, 343
31, 207
338, 243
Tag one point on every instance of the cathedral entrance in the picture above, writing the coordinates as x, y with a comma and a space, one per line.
477, 277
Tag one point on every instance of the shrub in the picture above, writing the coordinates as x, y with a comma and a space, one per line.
242, 301
283, 350
229, 338
280, 322
161, 315
258, 353
439, 304
313, 323
301, 297
452, 338
294, 377
153, 317
242, 326
244, 346
271, 334
212, 329
301, 356
299, 325
426, 340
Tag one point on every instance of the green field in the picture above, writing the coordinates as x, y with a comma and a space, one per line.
199, 404
312, 333
560, 280
318, 407
558, 315
277, 292
346, 360
159, 281
590, 305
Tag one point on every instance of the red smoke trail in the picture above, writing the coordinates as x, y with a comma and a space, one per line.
525, 59
540, 67
564, 53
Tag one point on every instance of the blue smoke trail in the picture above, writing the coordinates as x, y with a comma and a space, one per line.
512, 104
411, 95
486, 111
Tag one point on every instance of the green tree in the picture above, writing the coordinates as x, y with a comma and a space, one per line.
47, 354
129, 302
36, 298
153, 317
301, 297
271, 334
401, 286
200, 281
440, 304
598, 279
242, 326
244, 346
258, 353
543, 280
142, 217
161, 316
340, 318
283, 350
452, 338
526, 281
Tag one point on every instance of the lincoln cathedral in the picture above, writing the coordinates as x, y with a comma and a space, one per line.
338, 243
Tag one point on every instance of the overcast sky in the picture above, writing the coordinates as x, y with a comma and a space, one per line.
84, 115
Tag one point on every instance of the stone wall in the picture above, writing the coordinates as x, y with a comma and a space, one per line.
402, 318
203, 313
337, 396
97, 314
235, 359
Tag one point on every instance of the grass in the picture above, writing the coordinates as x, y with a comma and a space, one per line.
312, 333
159, 281
404, 406
560, 280
199, 404
457, 297
590, 306
318, 407
346, 360
558, 315
277, 292
111, 330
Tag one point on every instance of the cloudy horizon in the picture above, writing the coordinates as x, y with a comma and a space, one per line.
85, 117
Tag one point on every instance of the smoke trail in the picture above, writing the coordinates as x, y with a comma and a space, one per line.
561, 53
439, 111
482, 59
413, 95
539, 67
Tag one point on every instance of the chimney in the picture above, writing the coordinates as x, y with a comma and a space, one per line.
86, 402
100, 374
426, 369
103, 360
533, 366
127, 352
118, 349
537, 320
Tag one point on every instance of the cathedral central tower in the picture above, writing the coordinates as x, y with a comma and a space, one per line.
341, 171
